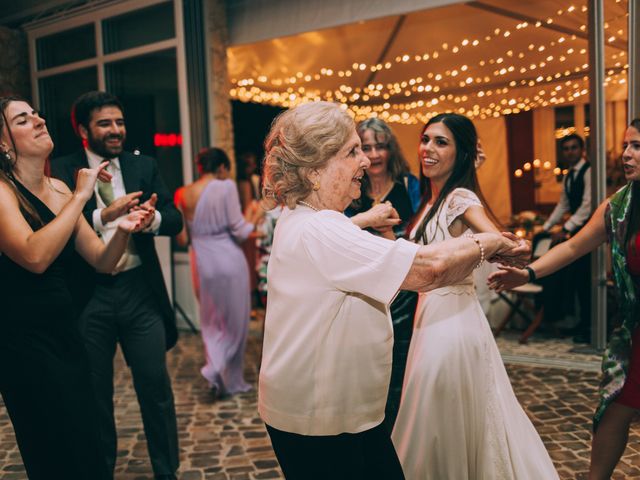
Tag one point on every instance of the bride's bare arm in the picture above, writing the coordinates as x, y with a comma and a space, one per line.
448, 262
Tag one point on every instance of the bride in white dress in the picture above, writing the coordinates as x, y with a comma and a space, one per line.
459, 418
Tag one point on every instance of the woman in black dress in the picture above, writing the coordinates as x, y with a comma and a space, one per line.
388, 181
44, 375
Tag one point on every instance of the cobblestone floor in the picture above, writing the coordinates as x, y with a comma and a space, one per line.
225, 440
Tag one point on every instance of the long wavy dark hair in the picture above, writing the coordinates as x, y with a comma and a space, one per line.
7, 165
463, 174
634, 215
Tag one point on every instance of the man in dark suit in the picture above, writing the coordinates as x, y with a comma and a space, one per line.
575, 203
130, 306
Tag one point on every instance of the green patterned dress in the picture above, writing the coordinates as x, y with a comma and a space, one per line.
615, 360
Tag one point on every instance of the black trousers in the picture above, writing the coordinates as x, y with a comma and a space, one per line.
123, 310
560, 290
46, 387
368, 455
580, 273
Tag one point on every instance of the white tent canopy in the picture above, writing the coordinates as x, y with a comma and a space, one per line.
483, 59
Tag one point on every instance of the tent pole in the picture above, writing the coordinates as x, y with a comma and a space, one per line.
634, 61
598, 157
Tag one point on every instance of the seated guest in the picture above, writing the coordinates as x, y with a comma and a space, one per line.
561, 288
328, 336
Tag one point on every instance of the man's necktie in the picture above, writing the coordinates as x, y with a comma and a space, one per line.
105, 189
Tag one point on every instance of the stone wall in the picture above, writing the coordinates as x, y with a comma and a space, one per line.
14, 63
221, 116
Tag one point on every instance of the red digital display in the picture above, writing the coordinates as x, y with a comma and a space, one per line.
167, 140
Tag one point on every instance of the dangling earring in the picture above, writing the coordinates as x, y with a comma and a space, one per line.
6, 155
316, 185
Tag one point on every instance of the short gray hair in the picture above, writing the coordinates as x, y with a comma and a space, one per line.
301, 139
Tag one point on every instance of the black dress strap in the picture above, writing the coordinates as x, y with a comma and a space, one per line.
43, 210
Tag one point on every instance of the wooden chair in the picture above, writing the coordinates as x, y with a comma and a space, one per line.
524, 298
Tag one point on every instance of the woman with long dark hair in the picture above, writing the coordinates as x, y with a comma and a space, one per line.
459, 417
44, 377
616, 221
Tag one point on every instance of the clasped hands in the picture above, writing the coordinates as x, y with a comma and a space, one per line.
517, 252
140, 216
511, 273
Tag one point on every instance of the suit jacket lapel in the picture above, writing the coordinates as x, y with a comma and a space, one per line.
129, 169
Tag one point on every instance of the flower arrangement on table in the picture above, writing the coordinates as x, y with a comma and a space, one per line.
525, 223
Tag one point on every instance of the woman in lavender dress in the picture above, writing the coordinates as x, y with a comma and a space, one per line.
216, 229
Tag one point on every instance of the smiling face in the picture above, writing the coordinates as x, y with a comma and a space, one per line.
376, 148
106, 132
28, 129
340, 180
631, 154
437, 153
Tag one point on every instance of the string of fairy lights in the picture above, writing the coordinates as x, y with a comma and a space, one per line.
416, 99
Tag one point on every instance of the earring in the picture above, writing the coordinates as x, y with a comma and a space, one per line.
7, 155
316, 185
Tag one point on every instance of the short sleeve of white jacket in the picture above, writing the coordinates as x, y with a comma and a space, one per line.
353, 260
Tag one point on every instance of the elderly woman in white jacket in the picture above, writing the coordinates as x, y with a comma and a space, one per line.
328, 336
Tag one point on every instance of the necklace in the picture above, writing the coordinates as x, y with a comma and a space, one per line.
386, 191
308, 205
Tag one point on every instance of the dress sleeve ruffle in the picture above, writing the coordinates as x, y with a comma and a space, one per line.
458, 202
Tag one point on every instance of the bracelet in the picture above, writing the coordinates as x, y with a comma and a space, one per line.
532, 273
475, 239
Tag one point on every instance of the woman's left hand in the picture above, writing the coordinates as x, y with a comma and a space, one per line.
137, 220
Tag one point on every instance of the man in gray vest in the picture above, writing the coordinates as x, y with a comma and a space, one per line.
575, 202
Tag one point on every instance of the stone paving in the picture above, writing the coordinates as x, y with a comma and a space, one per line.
225, 440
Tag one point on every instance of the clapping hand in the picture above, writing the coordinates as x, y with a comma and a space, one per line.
120, 206
86, 180
507, 278
136, 220
150, 207
149, 204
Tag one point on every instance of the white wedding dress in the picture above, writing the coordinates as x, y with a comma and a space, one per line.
459, 418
